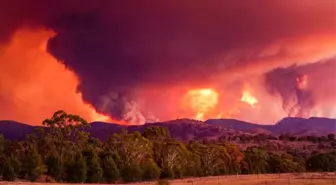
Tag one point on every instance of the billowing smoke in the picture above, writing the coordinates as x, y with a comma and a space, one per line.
136, 59
304, 88
285, 82
122, 108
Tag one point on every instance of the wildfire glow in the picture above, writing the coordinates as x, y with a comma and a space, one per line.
201, 101
248, 98
35, 84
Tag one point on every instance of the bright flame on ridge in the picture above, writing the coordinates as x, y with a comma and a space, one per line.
201, 101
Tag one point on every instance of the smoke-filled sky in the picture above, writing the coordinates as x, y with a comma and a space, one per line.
138, 61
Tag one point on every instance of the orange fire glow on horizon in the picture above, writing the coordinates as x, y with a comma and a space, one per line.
35, 84
201, 101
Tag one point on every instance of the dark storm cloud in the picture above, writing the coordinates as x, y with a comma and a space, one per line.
118, 46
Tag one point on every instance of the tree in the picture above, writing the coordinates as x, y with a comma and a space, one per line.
128, 149
331, 137
110, 170
33, 164
156, 133
65, 136
94, 169
16, 164
150, 170
8, 171
55, 166
284, 163
2, 144
193, 166
257, 160
214, 158
77, 170
10, 150
65, 152
322, 162
236, 158
129, 152
131, 173
171, 156
2, 157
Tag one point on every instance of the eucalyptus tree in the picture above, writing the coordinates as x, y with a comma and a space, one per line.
156, 133
32, 162
129, 151
62, 138
284, 163
171, 156
214, 158
257, 160
236, 158
94, 169
131, 148
76, 171
111, 172
322, 162
8, 173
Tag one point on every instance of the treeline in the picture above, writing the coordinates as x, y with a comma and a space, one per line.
64, 152
283, 137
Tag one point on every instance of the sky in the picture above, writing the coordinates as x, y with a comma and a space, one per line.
132, 62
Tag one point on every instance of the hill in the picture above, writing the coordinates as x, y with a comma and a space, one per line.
295, 126
13, 130
187, 129
240, 125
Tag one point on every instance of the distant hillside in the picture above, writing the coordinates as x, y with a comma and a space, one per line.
240, 125
311, 126
186, 129
13, 130
296, 126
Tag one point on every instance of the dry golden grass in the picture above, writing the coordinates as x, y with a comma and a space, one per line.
268, 179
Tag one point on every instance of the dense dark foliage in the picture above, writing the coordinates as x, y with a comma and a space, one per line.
66, 153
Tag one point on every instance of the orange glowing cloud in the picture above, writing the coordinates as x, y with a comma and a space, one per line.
285, 52
200, 101
248, 98
33, 84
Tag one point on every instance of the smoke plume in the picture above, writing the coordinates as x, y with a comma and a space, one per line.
296, 101
136, 60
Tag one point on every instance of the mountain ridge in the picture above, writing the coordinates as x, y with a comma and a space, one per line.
188, 129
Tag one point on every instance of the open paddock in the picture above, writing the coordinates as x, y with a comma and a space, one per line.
265, 179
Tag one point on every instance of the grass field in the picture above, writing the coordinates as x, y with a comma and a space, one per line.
268, 179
